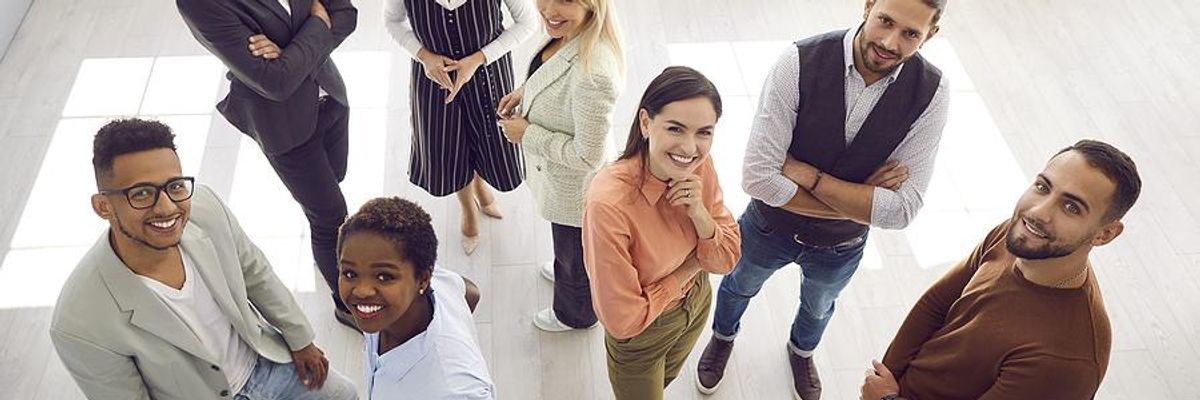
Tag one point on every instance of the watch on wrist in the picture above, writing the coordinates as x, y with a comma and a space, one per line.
816, 181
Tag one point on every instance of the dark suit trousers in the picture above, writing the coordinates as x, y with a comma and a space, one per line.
572, 289
312, 172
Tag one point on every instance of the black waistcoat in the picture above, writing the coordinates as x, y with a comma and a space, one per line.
819, 136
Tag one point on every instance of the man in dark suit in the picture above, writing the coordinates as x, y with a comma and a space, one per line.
287, 94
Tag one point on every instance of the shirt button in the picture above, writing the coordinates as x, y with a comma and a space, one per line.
224, 393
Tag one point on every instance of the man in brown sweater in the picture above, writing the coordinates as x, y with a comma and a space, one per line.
1022, 317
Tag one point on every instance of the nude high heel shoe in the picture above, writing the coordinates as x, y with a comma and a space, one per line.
489, 210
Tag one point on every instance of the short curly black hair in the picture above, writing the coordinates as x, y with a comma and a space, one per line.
124, 136
403, 223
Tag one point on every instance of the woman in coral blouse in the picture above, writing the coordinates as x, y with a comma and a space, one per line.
654, 226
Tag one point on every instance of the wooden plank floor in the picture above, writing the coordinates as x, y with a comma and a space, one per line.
1028, 77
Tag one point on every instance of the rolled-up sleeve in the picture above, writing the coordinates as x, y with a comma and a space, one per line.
771, 133
719, 253
622, 304
896, 209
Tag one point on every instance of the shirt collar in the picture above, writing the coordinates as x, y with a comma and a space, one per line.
451, 4
397, 362
652, 188
848, 55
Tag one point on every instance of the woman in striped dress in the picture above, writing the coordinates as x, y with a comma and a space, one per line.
460, 70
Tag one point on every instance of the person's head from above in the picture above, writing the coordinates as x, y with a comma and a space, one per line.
1075, 203
675, 123
142, 192
893, 31
386, 253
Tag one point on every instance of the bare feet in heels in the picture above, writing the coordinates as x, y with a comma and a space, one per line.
470, 232
485, 201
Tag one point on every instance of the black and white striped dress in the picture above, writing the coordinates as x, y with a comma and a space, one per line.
453, 141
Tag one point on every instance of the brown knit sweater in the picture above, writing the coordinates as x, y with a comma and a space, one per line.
983, 331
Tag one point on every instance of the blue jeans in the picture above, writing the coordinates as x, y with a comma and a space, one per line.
825, 270
274, 381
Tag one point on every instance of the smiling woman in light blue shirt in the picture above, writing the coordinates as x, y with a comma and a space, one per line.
420, 335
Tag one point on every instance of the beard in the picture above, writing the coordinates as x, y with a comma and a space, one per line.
1021, 248
143, 242
865, 49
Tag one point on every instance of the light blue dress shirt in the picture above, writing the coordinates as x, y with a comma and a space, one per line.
444, 362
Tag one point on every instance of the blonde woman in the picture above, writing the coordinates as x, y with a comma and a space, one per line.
561, 117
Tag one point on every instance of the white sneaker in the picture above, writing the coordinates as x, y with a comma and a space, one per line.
548, 271
547, 321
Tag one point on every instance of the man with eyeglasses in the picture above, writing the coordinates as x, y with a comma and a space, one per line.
174, 301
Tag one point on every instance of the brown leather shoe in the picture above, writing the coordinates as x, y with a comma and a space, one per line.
711, 368
806, 385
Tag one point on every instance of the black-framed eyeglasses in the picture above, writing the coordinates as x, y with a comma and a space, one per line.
144, 196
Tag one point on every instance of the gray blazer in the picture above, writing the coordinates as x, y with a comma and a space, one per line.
570, 113
120, 341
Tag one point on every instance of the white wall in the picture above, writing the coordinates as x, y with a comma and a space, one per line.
11, 14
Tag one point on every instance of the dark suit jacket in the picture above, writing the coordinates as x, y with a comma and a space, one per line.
273, 101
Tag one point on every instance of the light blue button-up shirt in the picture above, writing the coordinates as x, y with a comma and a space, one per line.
444, 362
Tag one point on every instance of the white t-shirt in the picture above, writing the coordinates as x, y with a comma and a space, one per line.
194, 304
442, 363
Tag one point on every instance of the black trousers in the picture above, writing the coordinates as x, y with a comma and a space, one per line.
312, 172
572, 289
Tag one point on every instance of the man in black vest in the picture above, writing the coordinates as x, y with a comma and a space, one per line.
287, 94
844, 138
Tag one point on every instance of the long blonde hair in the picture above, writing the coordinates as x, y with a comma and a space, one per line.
601, 29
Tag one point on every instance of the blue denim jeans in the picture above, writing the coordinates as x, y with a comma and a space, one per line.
825, 270
274, 381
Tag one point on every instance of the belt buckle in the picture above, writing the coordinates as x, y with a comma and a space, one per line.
850, 242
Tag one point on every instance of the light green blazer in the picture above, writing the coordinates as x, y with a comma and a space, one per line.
120, 341
570, 114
